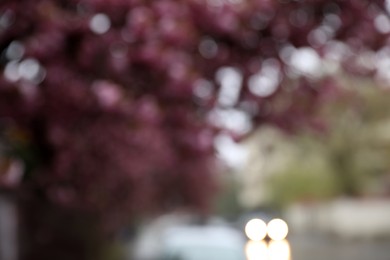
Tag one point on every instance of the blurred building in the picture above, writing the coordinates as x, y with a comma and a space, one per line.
269, 153
327, 208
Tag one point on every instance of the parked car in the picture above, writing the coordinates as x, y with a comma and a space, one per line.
203, 242
180, 238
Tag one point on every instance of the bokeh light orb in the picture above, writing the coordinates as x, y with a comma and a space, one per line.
277, 229
256, 229
256, 250
279, 250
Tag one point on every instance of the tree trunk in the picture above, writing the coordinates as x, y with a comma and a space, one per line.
49, 232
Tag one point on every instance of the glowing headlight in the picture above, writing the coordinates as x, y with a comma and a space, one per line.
279, 250
256, 229
256, 250
277, 229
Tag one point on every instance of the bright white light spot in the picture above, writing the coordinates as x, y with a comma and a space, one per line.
383, 65
231, 82
29, 69
256, 229
234, 120
262, 85
15, 51
306, 61
382, 24
203, 89
230, 152
279, 250
275, 250
100, 23
11, 71
208, 48
277, 229
266, 82
256, 250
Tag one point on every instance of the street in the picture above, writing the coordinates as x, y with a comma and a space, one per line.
315, 247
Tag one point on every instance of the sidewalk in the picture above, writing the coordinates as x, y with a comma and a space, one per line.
8, 229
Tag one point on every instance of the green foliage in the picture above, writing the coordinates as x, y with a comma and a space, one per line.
306, 178
357, 144
349, 159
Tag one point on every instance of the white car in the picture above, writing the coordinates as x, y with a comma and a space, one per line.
203, 242
172, 238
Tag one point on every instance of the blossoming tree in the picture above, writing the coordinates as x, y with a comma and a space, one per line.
111, 106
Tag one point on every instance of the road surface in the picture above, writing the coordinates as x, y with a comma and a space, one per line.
315, 247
